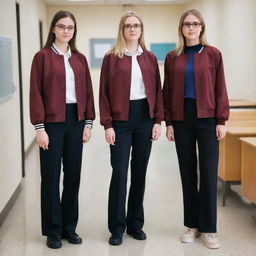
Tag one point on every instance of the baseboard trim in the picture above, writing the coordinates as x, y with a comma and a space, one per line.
9, 205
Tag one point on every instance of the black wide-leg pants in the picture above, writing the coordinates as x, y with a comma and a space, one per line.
200, 210
133, 134
65, 148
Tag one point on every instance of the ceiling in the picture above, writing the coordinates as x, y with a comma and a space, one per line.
110, 2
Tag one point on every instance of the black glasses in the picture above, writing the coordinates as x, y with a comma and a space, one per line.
63, 27
193, 24
131, 26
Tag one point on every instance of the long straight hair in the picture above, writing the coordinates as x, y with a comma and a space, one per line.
182, 41
51, 36
120, 43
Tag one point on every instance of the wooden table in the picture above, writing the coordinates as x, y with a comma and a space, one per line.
248, 168
241, 115
229, 170
241, 103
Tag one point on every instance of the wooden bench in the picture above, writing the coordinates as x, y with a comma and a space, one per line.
248, 168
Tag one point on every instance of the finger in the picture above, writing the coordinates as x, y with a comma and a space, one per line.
157, 136
113, 141
217, 133
109, 140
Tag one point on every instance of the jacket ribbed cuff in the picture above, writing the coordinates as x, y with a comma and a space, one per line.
39, 127
168, 123
88, 124
108, 125
221, 121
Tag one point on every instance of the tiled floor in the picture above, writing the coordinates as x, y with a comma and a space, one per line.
20, 234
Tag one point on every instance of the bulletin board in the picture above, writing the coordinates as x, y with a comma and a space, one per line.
98, 49
6, 81
161, 50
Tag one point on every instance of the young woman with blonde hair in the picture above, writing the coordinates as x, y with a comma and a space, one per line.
196, 108
131, 111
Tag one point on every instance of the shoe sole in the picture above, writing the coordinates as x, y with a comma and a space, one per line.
187, 241
190, 240
140, 239
52, 247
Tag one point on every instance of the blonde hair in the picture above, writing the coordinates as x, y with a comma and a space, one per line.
120, 43
182, 42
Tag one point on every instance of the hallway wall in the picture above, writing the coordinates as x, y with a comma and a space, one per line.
10, 151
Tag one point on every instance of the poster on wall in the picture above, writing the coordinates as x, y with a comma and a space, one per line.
161, 50
98, 49
6, 81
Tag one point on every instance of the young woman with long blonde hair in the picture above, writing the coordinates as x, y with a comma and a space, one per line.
131, 111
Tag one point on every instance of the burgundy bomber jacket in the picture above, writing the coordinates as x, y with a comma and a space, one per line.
211, 93
48, 87
115, 83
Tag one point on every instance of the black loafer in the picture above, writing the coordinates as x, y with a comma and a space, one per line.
115, 239
137, 234
53, 242
72, 238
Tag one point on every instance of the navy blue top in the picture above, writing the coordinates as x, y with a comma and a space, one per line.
189, 89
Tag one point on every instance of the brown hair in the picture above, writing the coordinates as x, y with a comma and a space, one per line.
120, 43
182, 42
51, 36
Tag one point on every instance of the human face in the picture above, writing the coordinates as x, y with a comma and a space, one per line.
191, 29
64, 30
132, 29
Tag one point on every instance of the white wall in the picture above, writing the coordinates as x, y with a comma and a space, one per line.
10, 149
10, 157
231, 28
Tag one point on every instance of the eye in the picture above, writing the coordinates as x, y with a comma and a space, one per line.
127, 25
61, 26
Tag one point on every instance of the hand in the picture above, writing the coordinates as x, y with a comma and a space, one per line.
86, 134
110, 136
221, 131
170, 133
42, 139
156, 132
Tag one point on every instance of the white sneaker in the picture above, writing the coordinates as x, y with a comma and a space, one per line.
210, 240
190, 235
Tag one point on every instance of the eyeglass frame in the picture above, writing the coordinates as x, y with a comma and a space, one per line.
64, 28
132, 26
194, 25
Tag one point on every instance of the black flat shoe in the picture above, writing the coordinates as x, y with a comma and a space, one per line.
115, 239
137, 234
72, 238
53, 242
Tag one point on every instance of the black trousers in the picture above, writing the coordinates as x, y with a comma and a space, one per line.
65, 147
199, 201
133, 134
